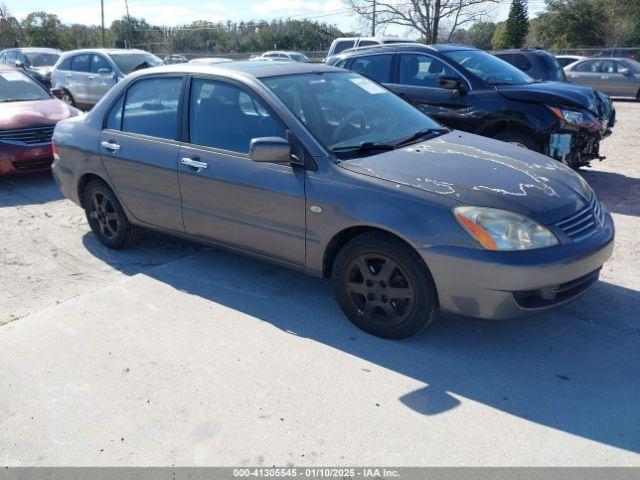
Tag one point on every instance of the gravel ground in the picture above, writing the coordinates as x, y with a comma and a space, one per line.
47, 254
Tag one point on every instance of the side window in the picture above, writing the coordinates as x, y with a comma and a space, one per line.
151, 107
65, 65
21, 58
80, 63
224, 116
2, 56
341, 63
98, 62
422, 70
11, 58
114, 119
591, 67
376, 67
367, 43
343, 45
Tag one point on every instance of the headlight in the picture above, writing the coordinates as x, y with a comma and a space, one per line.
503, 230
577, 118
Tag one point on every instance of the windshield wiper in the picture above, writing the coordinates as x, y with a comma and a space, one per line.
419, 134
364, 147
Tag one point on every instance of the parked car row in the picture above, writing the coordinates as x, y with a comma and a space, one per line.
325, 171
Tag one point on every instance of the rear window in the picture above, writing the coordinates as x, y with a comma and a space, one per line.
343, 45
552, 68
130, 62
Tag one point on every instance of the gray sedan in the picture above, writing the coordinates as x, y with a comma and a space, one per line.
617, 77
327, 172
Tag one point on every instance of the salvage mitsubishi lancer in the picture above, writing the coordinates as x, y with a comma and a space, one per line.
327, 172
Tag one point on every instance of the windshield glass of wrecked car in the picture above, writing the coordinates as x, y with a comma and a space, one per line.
16, 87
343, 110
130, 62
492, 70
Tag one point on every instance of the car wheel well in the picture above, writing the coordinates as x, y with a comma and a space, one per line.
84, 181
341, 238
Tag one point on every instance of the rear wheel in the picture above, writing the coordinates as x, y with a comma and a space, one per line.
106, 217
520, 140
383, 287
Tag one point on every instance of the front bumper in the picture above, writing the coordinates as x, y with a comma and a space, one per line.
15, 159
500, 285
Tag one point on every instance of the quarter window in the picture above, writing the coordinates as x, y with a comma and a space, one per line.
376, 67
151, 108
423, 71
226, 117
65, 65
114, 119
81, 63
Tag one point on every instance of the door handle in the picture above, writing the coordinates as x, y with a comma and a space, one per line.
605, 77
91, 77
111, 146
198, 165
68, 75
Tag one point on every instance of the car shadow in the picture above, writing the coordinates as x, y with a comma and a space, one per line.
34, 188
576, 369
620, 193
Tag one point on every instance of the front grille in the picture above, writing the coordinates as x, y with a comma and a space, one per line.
585, 222
28, 136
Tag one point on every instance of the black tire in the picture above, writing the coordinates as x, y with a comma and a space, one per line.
638, 96
68, 99
520, 139
106, 217
369, 302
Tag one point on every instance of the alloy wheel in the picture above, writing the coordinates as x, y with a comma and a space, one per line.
104, 214
379, 289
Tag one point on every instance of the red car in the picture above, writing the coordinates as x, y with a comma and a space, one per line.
28, 115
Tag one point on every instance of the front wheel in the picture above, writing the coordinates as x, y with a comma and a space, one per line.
383, 286
519, 140
106, 217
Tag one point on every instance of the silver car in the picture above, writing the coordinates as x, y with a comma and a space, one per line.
82, 77
617, 77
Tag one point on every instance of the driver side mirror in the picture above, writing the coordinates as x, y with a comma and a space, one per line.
270, 149
450, 83
626, 72
19, 64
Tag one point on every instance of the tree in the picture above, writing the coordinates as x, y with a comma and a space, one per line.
428, 17
11, 34
517, 25
481, 35
499, 41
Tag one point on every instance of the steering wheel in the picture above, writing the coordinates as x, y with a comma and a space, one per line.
351, 117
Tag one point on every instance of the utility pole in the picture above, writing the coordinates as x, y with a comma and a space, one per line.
102, 15
373, 20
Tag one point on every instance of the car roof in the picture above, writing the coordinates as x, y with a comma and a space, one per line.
104, 50
247, 68
402, 47
380, 39
522, 50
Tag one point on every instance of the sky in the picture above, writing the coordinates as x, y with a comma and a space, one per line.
178, 12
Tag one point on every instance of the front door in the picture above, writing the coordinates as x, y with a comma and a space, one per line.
228, 198
587, 74
617, 83
416, 80
102, 78
139, 149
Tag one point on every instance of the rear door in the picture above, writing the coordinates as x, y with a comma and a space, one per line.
139, 148
228, 198
79, 83
416, 80
102, 77
587, 74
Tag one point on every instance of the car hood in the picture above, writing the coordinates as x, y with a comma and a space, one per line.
14, 115
553, 93
480, 171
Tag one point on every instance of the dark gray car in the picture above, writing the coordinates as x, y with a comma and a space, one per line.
328, 172
36, 62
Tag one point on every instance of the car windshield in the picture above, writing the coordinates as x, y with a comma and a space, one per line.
39, 59
489, 68
130, 62
349, 111
16, 87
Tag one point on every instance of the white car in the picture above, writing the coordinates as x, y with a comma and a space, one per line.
282, 56
565, 60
